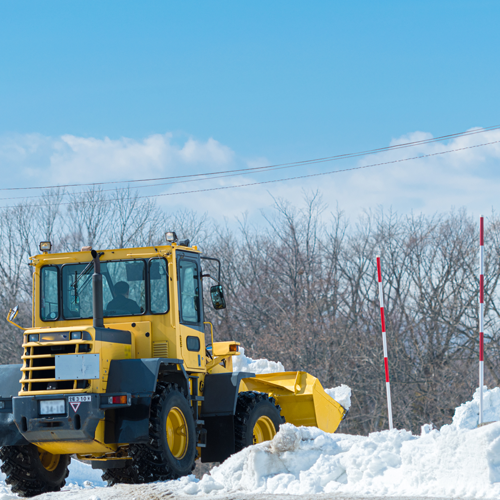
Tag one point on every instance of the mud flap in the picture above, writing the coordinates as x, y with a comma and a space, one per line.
221, 395
10, 386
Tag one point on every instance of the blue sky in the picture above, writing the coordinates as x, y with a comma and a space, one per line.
126, 89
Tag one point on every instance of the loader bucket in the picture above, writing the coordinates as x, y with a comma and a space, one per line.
301, 396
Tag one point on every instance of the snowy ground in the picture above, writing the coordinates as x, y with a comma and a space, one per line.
458, 461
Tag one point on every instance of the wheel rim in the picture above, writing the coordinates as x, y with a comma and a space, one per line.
263, 430
48, 461
177, 433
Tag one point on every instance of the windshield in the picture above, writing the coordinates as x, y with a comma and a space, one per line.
123, 283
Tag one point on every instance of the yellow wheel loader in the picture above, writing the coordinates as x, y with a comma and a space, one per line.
116, 373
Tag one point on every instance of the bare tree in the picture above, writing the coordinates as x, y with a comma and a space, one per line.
303, 290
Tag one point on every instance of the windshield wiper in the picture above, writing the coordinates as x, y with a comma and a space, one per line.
80, 276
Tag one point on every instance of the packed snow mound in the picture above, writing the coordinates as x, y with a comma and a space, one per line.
341, 394
305, 461
258, 366
467, 415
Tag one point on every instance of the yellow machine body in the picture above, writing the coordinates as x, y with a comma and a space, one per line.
152, 336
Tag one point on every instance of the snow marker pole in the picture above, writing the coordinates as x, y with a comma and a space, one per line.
384, 340
481, 316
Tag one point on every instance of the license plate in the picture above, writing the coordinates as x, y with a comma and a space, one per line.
80, 399
53, 407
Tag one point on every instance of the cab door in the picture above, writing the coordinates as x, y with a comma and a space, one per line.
192, 333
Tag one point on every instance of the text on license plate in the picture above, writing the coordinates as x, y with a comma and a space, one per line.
79, 399
52, 407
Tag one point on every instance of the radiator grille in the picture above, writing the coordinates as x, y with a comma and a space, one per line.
160, 350
39, 368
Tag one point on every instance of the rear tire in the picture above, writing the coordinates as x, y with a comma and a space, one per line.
32, 471
140, 469
257, 419
172, 450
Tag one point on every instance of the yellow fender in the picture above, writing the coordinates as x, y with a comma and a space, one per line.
301, 396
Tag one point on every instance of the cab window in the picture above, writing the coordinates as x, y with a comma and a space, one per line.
189, 291
49, 296
123, 286
125, 290
158, 286
77, 291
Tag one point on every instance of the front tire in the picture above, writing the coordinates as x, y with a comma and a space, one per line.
257, 419
172, 449
32, 471
174, 432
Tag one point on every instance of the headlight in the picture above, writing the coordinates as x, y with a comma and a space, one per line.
54, 337
76, 335
33, 337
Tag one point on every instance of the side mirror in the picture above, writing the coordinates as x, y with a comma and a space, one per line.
13, 313
217, 294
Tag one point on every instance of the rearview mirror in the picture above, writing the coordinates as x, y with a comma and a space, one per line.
217, 294
13, 313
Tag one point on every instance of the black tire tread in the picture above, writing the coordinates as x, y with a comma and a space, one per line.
246, 404
17, 465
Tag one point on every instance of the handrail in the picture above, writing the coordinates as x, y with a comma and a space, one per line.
211, 331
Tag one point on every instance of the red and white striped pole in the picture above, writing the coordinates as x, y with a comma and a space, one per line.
481, 316
384, 340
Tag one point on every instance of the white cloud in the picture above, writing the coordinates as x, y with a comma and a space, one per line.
69, 159
469, 178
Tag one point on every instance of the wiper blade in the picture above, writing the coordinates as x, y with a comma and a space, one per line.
83, 273
77, 279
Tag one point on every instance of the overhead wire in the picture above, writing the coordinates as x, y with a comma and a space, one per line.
218, 188
230, 173
324, 173
279, 166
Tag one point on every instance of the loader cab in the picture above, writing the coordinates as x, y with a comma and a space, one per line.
156, 293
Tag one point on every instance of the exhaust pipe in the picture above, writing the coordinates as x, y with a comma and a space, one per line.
97, 299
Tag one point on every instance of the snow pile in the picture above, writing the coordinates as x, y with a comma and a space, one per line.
467, 415
258, 366
305, 460
458, 460
341, 394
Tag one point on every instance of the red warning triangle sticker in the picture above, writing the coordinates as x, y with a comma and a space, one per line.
75, 406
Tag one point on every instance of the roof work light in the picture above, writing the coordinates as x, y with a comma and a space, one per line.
171, 237
45, 246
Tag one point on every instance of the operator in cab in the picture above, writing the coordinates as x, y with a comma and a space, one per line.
121, 304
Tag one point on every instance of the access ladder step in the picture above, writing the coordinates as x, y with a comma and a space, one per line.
196, 398
202, 438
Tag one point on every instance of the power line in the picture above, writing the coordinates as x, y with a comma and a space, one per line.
324, 173
219, 188
278, 166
